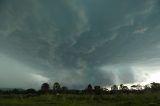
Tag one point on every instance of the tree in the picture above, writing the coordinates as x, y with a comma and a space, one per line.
121, 86
89, 88
97, 89
139, 87
56, 87
134, 87
147, 87
124, 88
45, 87
105, 89
155, 86
114, 88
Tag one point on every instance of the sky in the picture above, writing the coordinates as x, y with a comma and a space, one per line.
79, 42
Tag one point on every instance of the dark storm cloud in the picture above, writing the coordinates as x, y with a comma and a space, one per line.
80, 42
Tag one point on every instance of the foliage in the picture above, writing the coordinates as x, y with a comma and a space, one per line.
56, 87
96, 96
45, 87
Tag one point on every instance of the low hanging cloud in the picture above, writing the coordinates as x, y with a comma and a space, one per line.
78, 42
17, 75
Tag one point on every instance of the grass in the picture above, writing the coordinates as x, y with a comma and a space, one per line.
147, 99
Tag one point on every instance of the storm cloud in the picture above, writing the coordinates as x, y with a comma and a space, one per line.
76, 42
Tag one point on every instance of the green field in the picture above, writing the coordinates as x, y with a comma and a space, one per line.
146, 99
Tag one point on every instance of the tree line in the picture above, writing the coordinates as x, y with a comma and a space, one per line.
97, 89
58, 89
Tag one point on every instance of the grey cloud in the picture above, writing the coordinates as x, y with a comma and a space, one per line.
17, 75
70, 41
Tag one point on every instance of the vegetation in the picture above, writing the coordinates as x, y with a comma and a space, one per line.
91, 96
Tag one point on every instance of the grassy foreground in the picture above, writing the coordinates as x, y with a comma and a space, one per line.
147, 99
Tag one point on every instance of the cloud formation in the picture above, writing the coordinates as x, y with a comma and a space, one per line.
79, 42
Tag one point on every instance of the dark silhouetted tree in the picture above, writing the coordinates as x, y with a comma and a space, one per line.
123, 88
45, 87
97, 89
56, 87
134, 87
155, 86
105, 89
89, 88
147, 87
114, 88
139, 87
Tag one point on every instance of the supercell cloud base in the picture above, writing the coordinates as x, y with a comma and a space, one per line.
76, 42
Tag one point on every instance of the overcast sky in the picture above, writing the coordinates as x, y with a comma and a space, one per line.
77, 42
